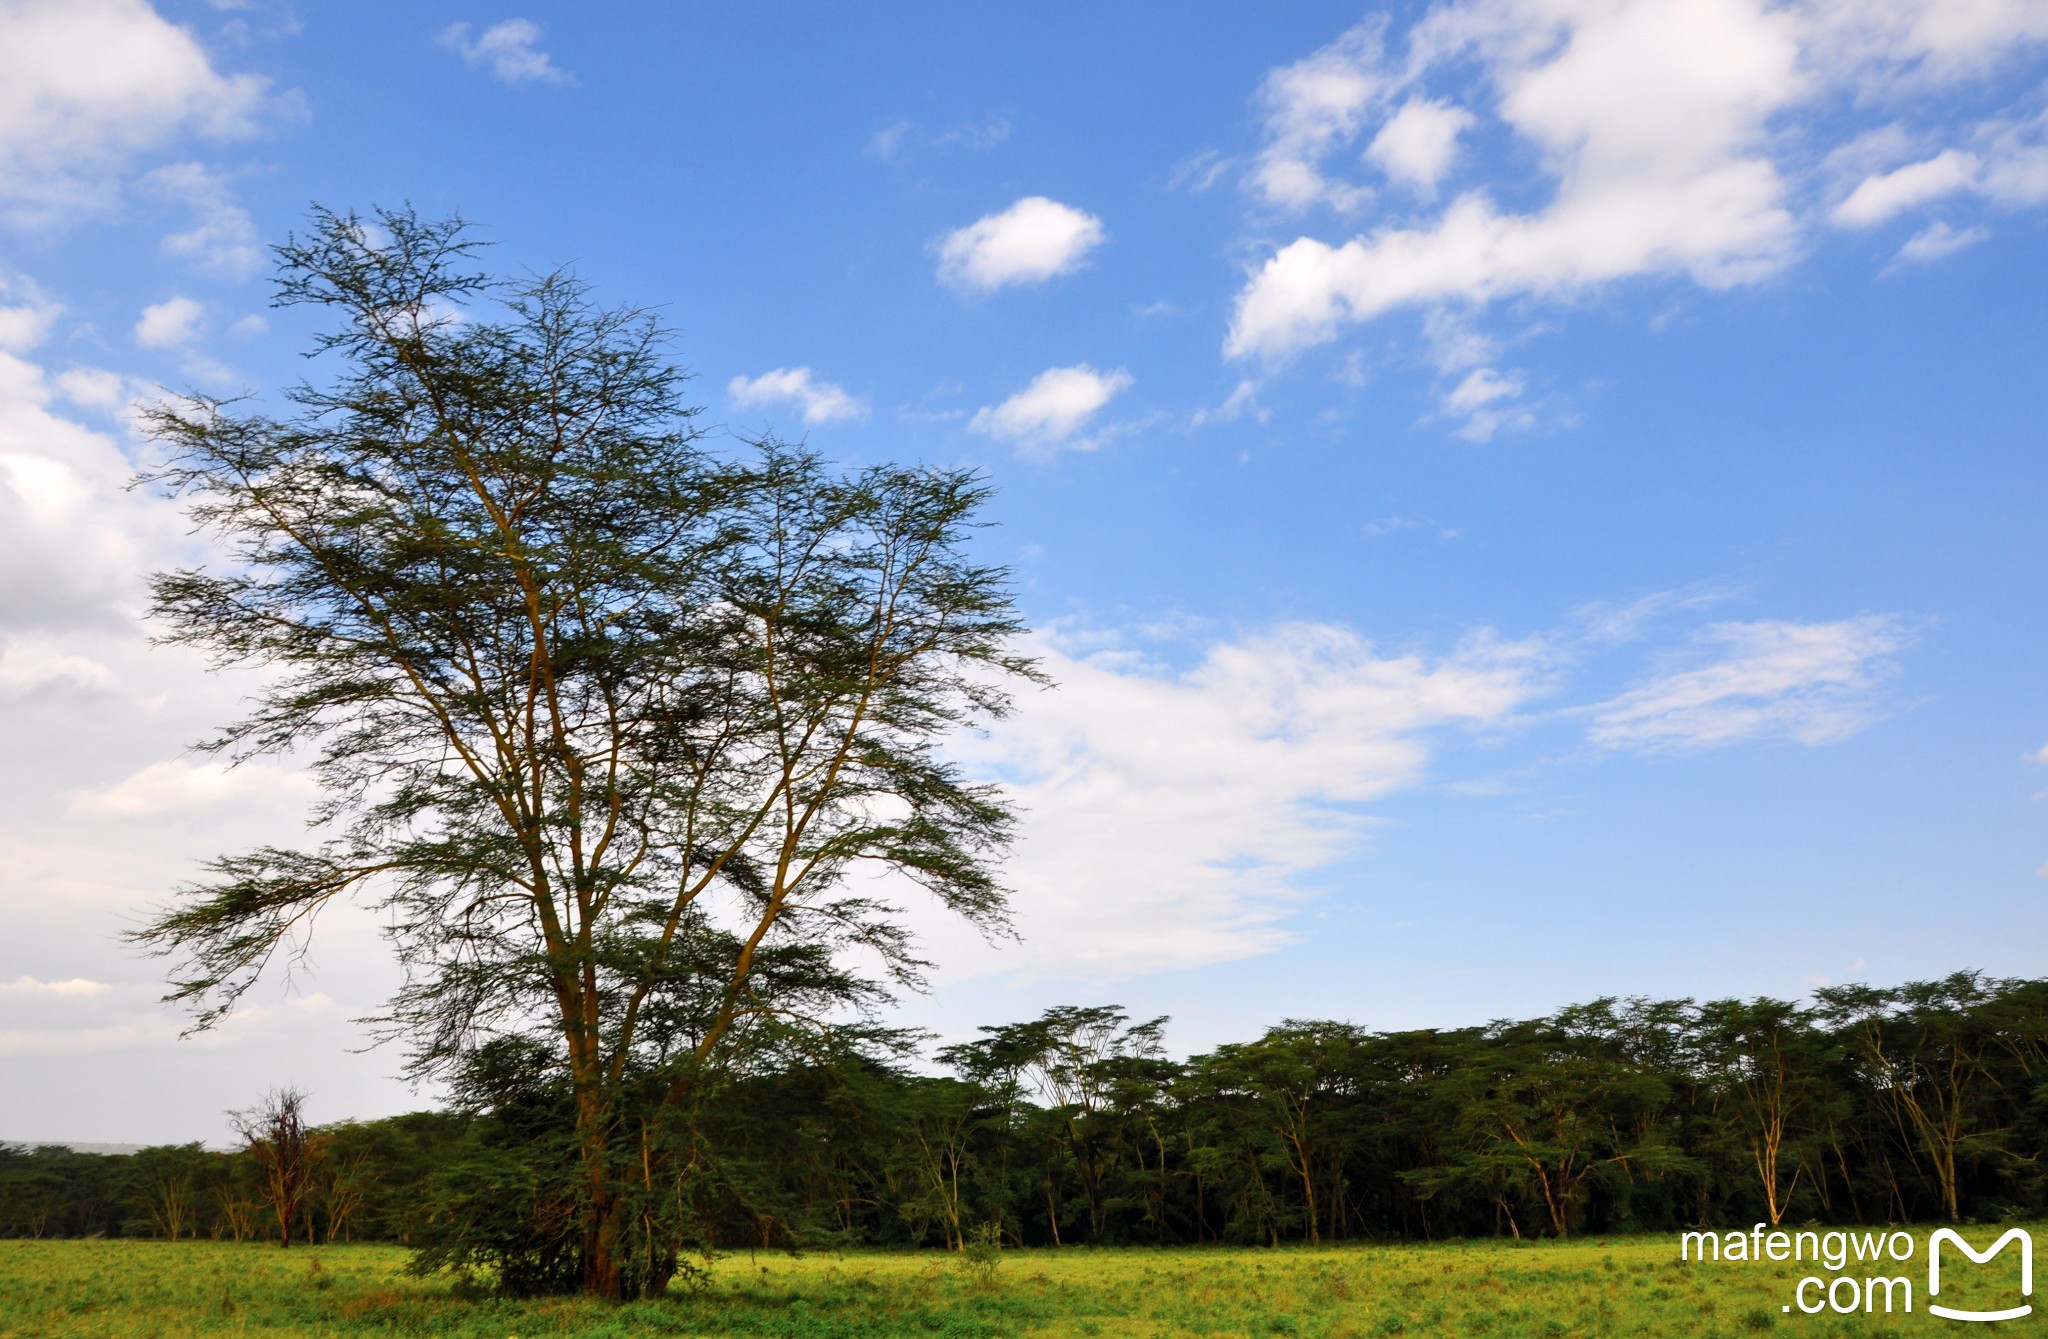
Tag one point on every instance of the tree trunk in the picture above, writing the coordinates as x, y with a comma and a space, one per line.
602, 1276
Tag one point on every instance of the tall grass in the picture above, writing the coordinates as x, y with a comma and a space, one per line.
1621, 1286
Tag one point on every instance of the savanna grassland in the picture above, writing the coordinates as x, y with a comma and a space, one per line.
1617, 1286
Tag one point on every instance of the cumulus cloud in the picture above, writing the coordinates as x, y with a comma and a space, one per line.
1810, 682
820, 401
74, 540
25, 315
1171, 816
170, 323
1418, 143
1032, 241
94, 388
1048, 413
1662, 135
510, 50
1653, 146
1312, 107
86, 83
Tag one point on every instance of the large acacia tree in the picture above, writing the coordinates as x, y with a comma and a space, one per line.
604, 720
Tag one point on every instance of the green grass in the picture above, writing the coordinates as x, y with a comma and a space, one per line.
1617, 1286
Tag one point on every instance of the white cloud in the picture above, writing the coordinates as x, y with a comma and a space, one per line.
85, 83
76, 986
510, 49
887, 143
2015, 161
1650, 118
1242, 400
2006, 167
93, 388
1028, 243
170, 323
1048, 412
892, 143
1880, 196
1606, 623
1877, 46
1485, 400
180, 786
1454, 343
1937, 240
1661, 134
1811, 682
28, 666
24, 322
222, 237
1313, 107
1170, 817
1199, 171
1417, 144
74, 540
821, 401
80, 1016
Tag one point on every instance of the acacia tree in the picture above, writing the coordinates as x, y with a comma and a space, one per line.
603, 721
1763, 1059
1083, 1062
1293, 1082
286, 1152
1928, 1048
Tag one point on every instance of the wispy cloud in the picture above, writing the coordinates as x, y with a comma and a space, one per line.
1487, 402
1882, 195
222, 237
1172, 815
509, 49
1937, 240
182, 786
1242, 401
1814, 683
893, 143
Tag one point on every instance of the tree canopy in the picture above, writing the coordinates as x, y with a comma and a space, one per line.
603, 718
1075, 1128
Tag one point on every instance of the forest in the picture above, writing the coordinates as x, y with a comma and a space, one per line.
1924, 1102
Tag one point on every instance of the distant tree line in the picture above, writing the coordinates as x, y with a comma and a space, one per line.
1928, 1101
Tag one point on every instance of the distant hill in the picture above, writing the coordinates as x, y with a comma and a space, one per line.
74, 1146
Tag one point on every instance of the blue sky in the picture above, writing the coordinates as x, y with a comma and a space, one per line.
1525, 499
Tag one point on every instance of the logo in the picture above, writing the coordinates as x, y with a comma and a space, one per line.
1980, 1257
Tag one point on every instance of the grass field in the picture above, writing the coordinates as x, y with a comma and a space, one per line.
1619, 1286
